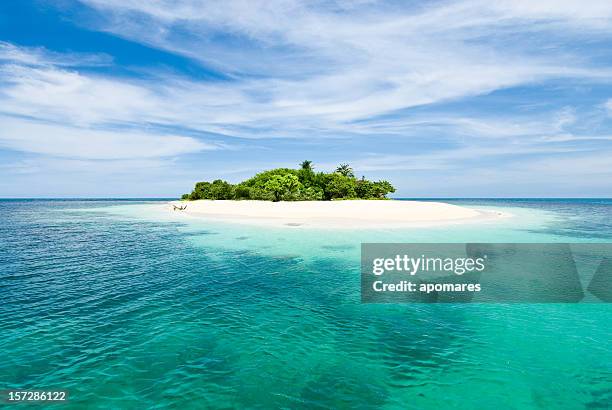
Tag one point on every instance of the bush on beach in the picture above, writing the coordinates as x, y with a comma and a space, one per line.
286, 184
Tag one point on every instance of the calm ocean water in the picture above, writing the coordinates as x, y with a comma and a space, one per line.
128, 306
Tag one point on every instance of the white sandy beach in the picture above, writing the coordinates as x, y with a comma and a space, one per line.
334, 214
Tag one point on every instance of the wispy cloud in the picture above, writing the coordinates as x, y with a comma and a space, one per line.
39, 56
51, 110
298, 69
71, 142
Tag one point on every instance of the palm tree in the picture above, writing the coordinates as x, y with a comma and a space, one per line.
345, 170
306, 165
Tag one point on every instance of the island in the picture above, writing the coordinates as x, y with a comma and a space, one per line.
303, 184
303, 198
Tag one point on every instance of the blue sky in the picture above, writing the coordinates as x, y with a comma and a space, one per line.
141, 98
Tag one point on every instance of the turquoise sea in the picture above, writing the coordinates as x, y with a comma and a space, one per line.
129, 306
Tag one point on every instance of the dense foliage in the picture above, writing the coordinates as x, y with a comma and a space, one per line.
285, 184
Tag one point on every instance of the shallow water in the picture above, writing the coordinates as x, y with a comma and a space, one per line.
127, 305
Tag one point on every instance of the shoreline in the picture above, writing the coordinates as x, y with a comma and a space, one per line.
346, 214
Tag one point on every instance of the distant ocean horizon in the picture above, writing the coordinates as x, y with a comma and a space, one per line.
398, 198
126, 305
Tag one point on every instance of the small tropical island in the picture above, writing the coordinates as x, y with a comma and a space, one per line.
286, 184
303, 198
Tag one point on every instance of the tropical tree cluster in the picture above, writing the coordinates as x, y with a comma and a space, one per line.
303, 184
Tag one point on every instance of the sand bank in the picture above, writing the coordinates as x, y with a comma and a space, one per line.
334, 214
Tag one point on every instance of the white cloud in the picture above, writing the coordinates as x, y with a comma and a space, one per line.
454, 159
608, 107
71, 142
60, 95
320, 65
70, 114
54, 110
39, 56
248, 108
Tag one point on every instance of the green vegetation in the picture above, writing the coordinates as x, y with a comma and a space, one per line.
303, 184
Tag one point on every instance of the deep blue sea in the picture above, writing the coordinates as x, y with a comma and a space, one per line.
128, 306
